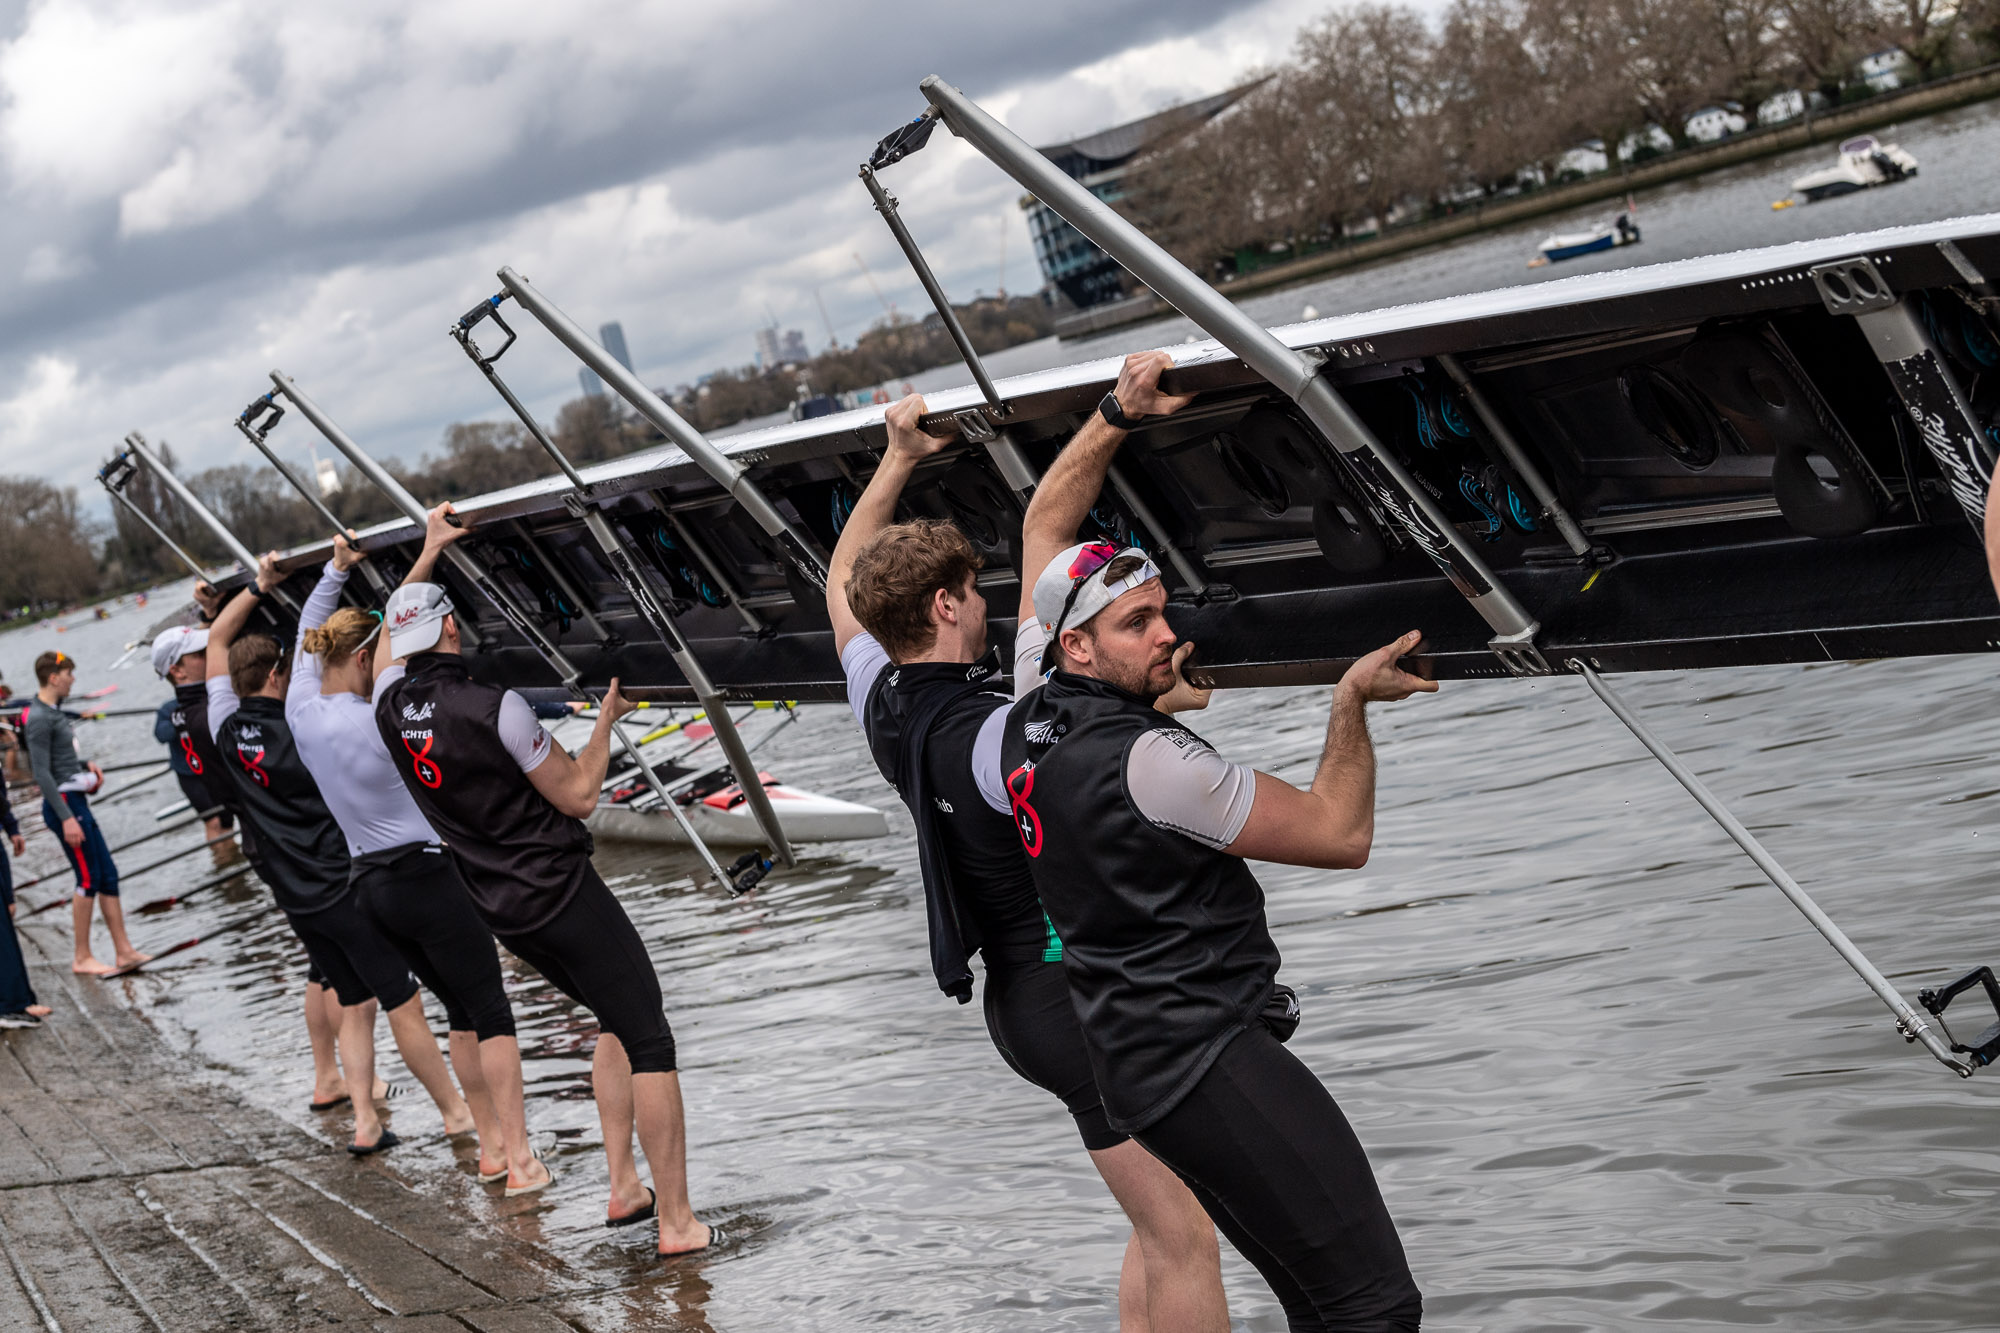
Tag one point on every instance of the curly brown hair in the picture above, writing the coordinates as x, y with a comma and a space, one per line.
896, 575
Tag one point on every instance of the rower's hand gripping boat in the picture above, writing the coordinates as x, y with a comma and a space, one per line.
1945, 420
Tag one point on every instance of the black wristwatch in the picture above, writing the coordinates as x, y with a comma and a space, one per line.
1108, 408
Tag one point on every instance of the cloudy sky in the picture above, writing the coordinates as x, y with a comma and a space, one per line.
199, 192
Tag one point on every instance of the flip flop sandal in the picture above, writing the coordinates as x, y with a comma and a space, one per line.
717, 1238
383, 1144
516, 1191
638, 1214
342, 1100
488, 1177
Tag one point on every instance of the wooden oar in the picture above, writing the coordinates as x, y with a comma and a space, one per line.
246, 919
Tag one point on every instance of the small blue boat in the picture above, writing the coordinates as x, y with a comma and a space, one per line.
1621, 230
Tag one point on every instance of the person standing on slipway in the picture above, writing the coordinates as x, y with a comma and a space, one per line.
67, 782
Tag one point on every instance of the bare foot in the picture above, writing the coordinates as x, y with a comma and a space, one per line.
133, 956
89, 967
40, 1010
463, 1125
538, 1176
686, 1240
381, 1091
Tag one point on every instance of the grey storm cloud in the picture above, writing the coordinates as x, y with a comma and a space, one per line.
201, 190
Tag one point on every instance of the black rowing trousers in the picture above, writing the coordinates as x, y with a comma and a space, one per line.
1266, 1150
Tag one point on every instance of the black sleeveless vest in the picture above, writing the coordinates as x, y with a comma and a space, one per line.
190, 702
521, 858
301, 852
1168, 954
922, 720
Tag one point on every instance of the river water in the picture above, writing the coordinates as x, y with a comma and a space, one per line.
1609, 1079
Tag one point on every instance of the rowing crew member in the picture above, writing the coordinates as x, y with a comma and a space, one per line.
910, 625
510, 805
180, 658
304, 860
67, 783
1137, 833
405, 882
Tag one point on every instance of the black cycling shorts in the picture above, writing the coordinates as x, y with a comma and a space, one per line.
351, 955
414, 896
1034, 1027
591, 952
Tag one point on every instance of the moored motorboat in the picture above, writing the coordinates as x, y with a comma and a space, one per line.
1863, 164
1620, 230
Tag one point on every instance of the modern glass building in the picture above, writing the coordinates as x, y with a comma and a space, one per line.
1070, 261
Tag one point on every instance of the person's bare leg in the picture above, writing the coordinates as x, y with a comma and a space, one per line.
322, 1023
121, 943
611, 1082
1132, 1313
85, 961
421, 1056
500, 1062
462, 1048
662, 1126
1179, 1254
357, 1060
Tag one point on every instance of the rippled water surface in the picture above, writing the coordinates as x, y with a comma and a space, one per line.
1608, 1077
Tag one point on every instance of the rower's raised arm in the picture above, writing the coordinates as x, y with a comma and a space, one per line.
1065, 495
1331, 825
876, 509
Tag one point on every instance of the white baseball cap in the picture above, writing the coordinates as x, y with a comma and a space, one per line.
415, 617
174, 644
1069, 592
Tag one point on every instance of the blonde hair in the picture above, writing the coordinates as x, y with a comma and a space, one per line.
335, 641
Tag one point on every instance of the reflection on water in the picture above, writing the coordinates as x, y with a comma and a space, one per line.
1609, 1078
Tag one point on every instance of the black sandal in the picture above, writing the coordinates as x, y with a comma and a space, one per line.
651, 1209
342, 1100
383, 1144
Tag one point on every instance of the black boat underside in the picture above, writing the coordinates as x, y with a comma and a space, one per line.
1749, 471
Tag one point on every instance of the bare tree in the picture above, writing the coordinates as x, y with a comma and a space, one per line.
1923, 30
1582, 47
1822, 39
45, 546
1498, 108
1671, 63
1365, 84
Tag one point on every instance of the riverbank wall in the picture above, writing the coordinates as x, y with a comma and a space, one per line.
1824, 127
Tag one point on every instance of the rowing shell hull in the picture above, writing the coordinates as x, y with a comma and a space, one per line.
805, 816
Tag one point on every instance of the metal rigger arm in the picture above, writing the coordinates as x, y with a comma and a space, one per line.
256, 422
474, 573
630, 571
1397, 494
798, 545
137, 444
113, 476
985, 426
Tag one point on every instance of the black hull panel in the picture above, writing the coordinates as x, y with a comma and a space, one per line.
1758, 487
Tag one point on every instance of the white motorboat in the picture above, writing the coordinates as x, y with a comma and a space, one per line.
1863, 164
723, 819
1620, 230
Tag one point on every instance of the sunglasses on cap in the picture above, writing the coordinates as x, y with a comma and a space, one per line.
1089, 560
